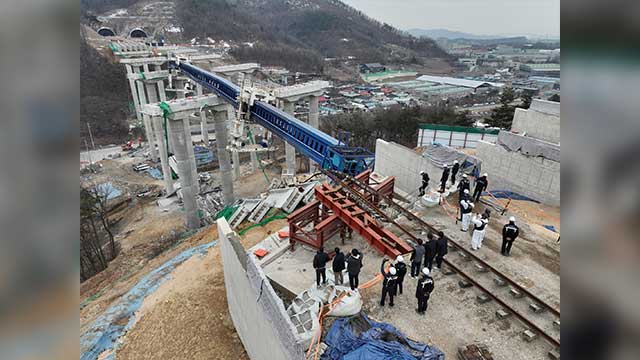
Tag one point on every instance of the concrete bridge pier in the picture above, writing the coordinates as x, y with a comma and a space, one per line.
157, 122
226, 179
188, 182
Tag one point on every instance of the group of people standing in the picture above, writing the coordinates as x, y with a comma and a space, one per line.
352, 263
394, 279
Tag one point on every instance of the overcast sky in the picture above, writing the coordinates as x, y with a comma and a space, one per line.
482, 17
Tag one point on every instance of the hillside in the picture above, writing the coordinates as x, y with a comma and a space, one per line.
310, 30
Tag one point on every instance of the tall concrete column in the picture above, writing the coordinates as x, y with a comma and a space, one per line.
220, 122
146, 120
204, 130
187, 181
191, 153
236, 164
134, 93
162, 149
235, 157
289, 150
314, 120
152, 98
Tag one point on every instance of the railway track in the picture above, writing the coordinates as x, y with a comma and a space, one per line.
540, 317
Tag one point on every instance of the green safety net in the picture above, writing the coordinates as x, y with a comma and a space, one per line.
258, 156
142, 75
262, 223
226, 212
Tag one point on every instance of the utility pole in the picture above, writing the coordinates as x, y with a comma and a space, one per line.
93, 145
88, 152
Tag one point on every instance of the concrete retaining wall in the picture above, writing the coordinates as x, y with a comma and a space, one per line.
539, 125
535, 177
257, 312
405, 164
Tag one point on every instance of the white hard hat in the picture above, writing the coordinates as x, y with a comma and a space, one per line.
512, 218
445, 165
425, 271
485, 174
466, 191
400, 258
464, 176
455, 161
421, 172
392, 271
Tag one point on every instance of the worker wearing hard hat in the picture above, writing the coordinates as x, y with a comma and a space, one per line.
479, 228
454, 171
444, 178
425, 182
401, 269
509, 234
481, 185
466, 206
423, 290
389, 283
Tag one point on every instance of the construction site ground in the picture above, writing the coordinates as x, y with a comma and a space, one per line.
187, 316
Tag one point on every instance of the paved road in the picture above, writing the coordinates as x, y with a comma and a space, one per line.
97, 155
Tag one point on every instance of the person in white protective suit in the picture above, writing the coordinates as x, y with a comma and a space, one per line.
466, 206
479, 228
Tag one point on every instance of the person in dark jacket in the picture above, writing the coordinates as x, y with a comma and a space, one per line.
429, 251
425, 182
338, 266
442, 248
354, 264
462, 186
444, 178
423, 291
401, 269
389, 283
416, 259
481, 185
509, 234
320, 263
454, 171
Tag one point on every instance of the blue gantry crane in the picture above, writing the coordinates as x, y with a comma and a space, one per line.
327, 151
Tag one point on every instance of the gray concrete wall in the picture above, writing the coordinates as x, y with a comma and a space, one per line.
405, 164
536, 124
548, 107
257, 312
534, 177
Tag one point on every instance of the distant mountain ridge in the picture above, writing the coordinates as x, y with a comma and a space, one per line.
449, 34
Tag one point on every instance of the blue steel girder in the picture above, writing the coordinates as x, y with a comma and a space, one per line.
311, 142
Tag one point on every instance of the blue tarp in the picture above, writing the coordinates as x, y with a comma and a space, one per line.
203, 155
551, 227
374, 340
119, 318
503, 194
155, 173
109, 190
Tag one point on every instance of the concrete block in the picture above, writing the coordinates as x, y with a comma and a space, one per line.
483, 298
554, 354
529, 335
536, 308
516, 293
464, 284
502, 314
500, 281
480, 268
